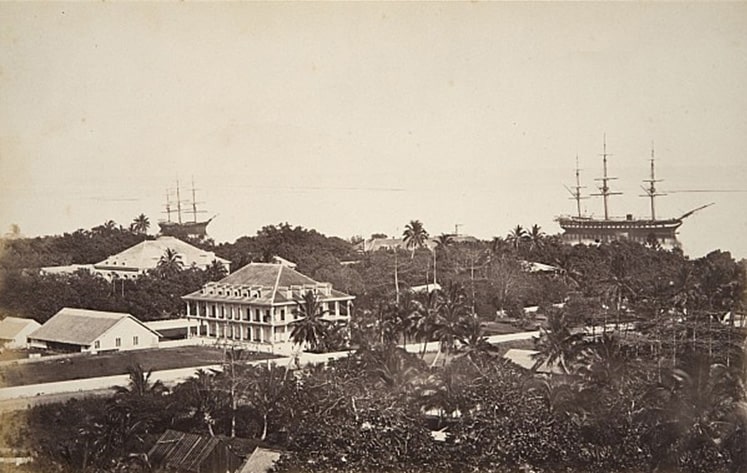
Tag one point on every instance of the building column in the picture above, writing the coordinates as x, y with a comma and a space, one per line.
337, 308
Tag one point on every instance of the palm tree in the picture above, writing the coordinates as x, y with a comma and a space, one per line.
556, 344
202, 398
310, 327
536, 237
474, 343
449, 324
216, 271
415, 236
140, 224
694, 412
517, 237
444, 240
429, 304
170, 264
442, 243
267, 386
139, 384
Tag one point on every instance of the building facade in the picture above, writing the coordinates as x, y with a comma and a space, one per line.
14, 331
81, 330
256, 306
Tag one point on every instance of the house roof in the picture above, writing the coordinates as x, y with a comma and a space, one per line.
269, 277
12, 326
524, 359
186, 452
80, 326
261, 460
146, 254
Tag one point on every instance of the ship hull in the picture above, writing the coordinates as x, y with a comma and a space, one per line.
592, 231
196, 229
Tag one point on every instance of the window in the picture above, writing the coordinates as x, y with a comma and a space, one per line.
96, 344
135, 340
117, 342
282, 315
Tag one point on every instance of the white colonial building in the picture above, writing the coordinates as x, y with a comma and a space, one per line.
255, 306
144, 257
85, 330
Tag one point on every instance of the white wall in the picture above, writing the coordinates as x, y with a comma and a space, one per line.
125, 330
21, 339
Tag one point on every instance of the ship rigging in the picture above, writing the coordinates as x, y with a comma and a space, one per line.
588, 230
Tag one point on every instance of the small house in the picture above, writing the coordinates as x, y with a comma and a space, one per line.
14, 331
83, 330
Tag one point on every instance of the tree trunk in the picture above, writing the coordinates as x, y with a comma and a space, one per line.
438, 353
264, 427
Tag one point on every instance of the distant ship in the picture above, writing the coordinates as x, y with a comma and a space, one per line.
179, 227
589, 230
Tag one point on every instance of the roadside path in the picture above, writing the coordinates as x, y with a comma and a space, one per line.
20, 397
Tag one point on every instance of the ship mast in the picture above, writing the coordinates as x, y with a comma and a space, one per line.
178, 202
194, 203
605, 189
651, 189
168, 206
576, 192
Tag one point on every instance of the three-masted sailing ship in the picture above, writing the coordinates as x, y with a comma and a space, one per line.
588, 230
178, 226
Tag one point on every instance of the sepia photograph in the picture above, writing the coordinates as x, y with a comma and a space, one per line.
373, 237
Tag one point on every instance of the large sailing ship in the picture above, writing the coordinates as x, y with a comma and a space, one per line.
588, 230
178, 226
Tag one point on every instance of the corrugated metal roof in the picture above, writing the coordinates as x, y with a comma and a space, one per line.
186, 452
12, 326
79, 326
181, 451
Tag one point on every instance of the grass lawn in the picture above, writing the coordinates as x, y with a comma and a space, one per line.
92, 366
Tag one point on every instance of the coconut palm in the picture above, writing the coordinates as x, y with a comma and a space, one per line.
310, 327
442, 244
170, 264
536, 237
415, 236
429, 303
139, 384
474, 343
267, 387
448, 327
693, 413
517, 237
557, 345
202, 398
140, 224
444, 241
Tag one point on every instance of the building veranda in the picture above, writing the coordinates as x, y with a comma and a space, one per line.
256, 306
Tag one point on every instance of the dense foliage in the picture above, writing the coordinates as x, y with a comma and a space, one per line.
660, 389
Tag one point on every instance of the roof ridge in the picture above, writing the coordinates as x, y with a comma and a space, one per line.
277, 281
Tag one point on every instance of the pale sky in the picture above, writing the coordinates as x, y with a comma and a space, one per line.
356, 118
